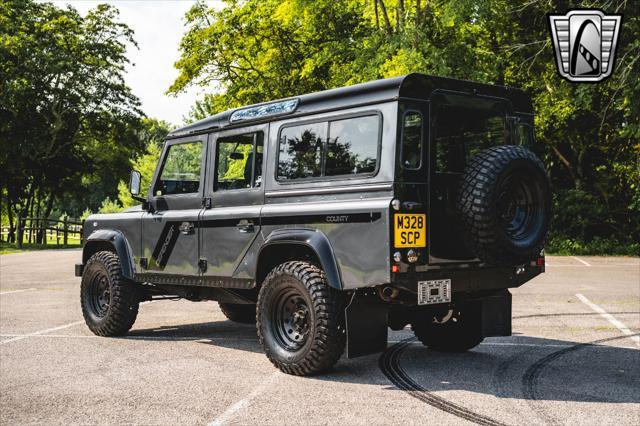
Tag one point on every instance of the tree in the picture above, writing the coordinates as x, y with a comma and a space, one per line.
153, 134
67, 119
258, 50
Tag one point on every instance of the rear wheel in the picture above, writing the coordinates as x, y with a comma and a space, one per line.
109, 301
458, 331
242, 313
300, 319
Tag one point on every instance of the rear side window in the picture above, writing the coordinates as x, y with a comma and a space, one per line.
300, 152
352, 146
332, 148
180, 169
412, 140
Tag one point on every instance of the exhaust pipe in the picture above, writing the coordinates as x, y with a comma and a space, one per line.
388, 293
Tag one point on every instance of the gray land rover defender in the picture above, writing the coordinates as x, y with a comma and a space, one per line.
330, 217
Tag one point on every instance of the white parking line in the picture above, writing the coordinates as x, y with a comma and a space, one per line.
37, 333
243, 403
619, 325
16, 291
585, 263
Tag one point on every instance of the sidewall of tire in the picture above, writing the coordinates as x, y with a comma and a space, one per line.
123, 304
267, 319
477, 204
325, 341
92, 269
531, 247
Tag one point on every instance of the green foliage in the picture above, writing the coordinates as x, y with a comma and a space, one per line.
258, 50
146, 165
109, 206
597, 246
68, 123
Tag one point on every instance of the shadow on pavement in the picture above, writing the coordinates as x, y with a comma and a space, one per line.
226, 334
509, 367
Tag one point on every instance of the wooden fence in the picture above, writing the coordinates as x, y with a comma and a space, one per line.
40, 230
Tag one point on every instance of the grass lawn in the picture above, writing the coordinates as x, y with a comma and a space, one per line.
8, 248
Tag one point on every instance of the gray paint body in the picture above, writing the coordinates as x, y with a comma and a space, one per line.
234, 231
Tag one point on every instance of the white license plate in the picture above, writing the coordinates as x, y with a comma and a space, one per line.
435, 291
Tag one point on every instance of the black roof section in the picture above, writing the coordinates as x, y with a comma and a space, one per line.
411, 86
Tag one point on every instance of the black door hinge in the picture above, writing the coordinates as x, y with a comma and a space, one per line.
144, 263
206, 202
202, 264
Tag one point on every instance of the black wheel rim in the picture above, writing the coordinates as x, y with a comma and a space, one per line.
291, 322
520, 206
99, 295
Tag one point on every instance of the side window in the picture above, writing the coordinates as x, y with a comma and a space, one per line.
352, 146
330, 148
180, 170
239, 162
300, 151
412, 140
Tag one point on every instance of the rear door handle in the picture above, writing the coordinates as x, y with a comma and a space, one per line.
245, 226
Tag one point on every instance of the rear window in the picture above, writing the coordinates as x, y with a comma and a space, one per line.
331, 148
462, 127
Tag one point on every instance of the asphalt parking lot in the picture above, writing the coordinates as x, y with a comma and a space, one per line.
573, 358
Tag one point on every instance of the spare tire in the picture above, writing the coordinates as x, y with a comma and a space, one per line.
504, 202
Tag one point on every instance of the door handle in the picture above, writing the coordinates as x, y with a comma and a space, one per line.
186, 228
245, 226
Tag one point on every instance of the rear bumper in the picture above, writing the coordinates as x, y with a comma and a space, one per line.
471, 280
79, 269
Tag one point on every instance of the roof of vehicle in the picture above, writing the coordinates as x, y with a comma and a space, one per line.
413, 86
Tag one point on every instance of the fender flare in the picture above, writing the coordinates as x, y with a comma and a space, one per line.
315, 240
117, 241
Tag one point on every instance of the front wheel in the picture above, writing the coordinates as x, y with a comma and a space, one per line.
300, 319
109, 301
459, 331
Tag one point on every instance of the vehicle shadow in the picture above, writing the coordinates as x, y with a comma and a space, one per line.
521, 367
226, 334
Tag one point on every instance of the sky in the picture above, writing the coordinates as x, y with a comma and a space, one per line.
158, 27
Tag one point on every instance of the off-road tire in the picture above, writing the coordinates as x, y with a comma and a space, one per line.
461, 333
504, 202
123, 299
242, 313
325, 341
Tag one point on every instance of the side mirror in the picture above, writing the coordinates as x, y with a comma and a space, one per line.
134, 183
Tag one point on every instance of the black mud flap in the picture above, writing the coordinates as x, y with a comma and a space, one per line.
496, 314
366, 321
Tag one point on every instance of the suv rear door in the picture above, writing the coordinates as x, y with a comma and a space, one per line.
235, 194
461, 126
169, 231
